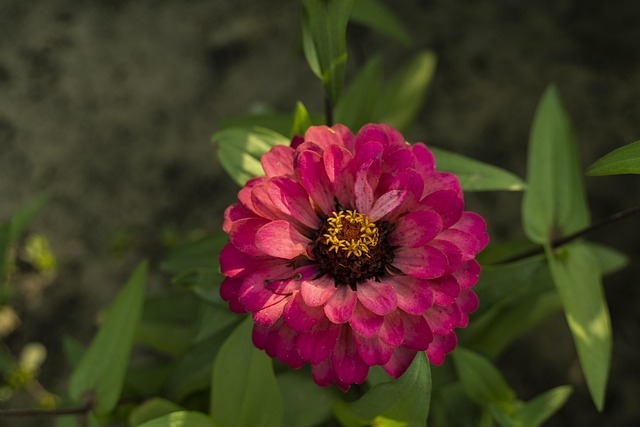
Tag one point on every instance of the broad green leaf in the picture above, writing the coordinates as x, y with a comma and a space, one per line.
609, 260
152, 408
147, 379
306, 404
554, 204
624, 160
536, 411
167, 337
404, 400
577, 277
475, 175
358, 106
240, 149
374, 14
214, 319
27, 213
452, 407
244, 390
181, 419
202, 253
324, 32
404, 95
481, 380
301, 120
103, 366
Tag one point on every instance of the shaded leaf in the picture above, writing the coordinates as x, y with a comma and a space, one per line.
358, 106
475, 175
27, 213
146, 379
554, 204
244, 390
539, 409
152, 408
103, 366
181, 419
577, 277
623, 160
306, 404
374, 14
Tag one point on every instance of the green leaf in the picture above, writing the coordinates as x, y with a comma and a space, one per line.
301, 120
152, 408
306, 404
103, 366
405, 400
240, 149
609, 260
201, 253
73, 350
244, 390
482, 381
181, 419
324, 24
475, 175
147, 379
536, 411
554, 204
27, 213
406, 92
374, 14
623, 160
577, 277
214, 319
358, 106
5, 241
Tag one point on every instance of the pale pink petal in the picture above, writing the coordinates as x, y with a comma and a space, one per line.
379, 297
299, 316
417, 333
340, 306
322, 136
442, 319
347, 138
440, 346
424, 262
445, 290
372, 350
467, 274
401, 359
243, 235
316, 292
365, 322
347, 363
446, 203
235, 213
311, 173
278, 161
416, 229
244, 195
292, 199
263, 205
291, 283
413, 294
386, 203
392, 329
316, 344
281, 240
341, 180
363, 190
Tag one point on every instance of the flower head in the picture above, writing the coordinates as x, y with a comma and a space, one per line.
352, 251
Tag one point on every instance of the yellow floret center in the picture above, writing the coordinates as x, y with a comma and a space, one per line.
351, 232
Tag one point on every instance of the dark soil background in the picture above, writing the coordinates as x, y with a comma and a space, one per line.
109, 105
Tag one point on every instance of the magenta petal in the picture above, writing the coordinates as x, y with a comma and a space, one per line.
317, 344
340, 306
322, 136
316, 292
234, 213
281, 240
442, 181
253, 293
414, 295
401, 359
323, 373
372, 350
417, 333
425, 162
229, 290
364, 322
349, 366
379, 297
424, 262
282, 344
443, 319
234, 263
292, 199
336, 164
387, 203
446, 203
392, 329
416, 229
467, 301
467, 274
450, 251
313, 178
382, 133
474, 229
299, 316
270, 314
445, 290
469, 246
260, 336
278, 161
243, 235
363, 190
441, 345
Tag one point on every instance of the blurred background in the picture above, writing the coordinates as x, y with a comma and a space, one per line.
110, 105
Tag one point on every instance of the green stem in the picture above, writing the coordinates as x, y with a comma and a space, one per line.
56, 412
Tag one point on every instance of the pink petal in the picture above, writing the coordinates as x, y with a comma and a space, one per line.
401, 359
364, 322
442, 319
382, 133
299, 316
340, 306
467, 301
269, 314
316, 292
450, 251
254, 294
416, 229
424, 262
292, 199
467, 274
417, 333
243, 235
281, 240
347, 363
322, 136
347, 138
234, 263
244, 195
363, 190
262, 203
341, 181
387, 203
446, 203
445, 290
392, 329
278, 161
440, 346
291, 283
234, 213
312, 176
372, 350
414, 295
379, 297
317, 344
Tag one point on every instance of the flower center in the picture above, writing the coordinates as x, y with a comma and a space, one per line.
351, 248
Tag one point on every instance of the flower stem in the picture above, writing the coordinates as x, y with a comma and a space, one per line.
328, 111
555, 243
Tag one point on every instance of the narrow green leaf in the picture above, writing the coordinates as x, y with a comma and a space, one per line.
103, 365
181, 419
623, 160
244, 390
196, 254
152, 408
610, 260
240, 149
301, 120
405, 400
554, 203
306, 404
539, 409
324, 40
374, 14
475, 175
406, 92
501, 417
359, 104
577, 277
27, 213
482, 381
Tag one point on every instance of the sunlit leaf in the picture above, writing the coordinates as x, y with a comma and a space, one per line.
152, 408
240, 149
359, 104
181, 419
624, 160
244, 390
301, 120
374, 14
554, 203
406, 92
475, 175
577, 277
103, 366
536, 411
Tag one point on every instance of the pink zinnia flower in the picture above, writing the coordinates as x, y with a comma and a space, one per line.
352, 252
